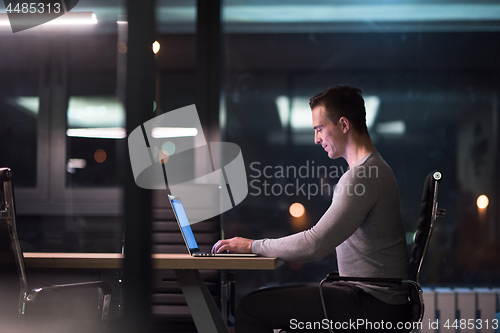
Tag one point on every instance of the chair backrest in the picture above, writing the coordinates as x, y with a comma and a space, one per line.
428, 213
8, 221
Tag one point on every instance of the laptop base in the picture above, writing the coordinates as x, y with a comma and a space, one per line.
206, 254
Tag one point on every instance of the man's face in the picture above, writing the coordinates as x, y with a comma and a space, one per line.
330, 136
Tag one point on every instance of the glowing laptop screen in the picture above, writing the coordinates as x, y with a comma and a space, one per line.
184, 223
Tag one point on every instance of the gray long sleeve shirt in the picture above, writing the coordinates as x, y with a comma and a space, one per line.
363, 224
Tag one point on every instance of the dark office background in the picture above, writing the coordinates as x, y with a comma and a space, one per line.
435, 86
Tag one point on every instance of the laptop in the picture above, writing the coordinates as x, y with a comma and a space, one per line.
188, 235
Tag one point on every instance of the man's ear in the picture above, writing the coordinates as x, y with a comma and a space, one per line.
344, 122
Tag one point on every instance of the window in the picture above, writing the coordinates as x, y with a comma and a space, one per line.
431, 91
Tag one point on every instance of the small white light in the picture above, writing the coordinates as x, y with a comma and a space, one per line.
77, 163
156, 47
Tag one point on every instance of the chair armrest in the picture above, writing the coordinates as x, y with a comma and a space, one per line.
106, 289
332, 277
5, 174
105, 294
332, 274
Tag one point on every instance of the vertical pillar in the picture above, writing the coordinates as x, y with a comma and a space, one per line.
209, 70
208, 66
496, 193
139, 97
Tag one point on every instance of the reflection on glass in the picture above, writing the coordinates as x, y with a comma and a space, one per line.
95, 125
95, 112
423, 69
18, 137
99, 133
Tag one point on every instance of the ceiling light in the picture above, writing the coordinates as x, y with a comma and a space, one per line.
357, 13
301, 116
97, 133
371, 105
283, 105
173, 132
70, 18
397, 127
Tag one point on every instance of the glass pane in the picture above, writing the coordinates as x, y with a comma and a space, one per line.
18, 137
95, 127
431, 92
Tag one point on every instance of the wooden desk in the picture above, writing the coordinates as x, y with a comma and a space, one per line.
160, 261
206, 315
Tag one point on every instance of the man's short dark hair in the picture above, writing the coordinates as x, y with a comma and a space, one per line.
343, 101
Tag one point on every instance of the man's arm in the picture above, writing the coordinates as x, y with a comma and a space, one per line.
340, 221
353, 199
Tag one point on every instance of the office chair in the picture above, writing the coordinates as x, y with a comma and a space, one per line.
8, 223
429, 211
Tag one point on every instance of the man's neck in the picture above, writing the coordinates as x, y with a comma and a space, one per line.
358, 146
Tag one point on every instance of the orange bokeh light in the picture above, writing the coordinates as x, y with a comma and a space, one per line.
100, 156
297, 210
482, 201
163, 156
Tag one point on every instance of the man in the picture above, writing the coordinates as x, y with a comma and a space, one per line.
363, 224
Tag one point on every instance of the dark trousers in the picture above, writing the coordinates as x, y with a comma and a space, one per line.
298, 308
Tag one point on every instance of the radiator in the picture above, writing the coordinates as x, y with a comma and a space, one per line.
460, 310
